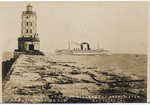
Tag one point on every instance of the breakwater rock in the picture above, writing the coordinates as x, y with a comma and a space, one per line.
39, 79
6, 65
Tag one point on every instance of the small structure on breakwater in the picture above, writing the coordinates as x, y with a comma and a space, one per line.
29, 41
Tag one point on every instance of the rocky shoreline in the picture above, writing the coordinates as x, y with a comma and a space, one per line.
39, 79
6, 65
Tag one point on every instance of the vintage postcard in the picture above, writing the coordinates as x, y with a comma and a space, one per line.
74, 51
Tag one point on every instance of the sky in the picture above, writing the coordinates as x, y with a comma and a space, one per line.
121, 27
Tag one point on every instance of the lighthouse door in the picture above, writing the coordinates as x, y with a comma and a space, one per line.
31, 47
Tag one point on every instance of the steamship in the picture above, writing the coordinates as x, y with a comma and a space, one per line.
83, 50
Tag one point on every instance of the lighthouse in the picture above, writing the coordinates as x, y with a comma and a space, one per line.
28, 41
29, 38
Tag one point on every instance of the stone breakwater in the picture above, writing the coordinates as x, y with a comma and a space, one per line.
39, 79
6, 65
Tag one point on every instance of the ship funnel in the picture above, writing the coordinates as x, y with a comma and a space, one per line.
85, 43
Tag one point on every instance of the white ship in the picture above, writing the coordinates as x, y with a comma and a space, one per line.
83, 50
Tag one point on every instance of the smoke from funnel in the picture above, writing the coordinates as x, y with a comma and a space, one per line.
75, 43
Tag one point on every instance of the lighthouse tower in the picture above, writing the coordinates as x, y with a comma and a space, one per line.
29, 38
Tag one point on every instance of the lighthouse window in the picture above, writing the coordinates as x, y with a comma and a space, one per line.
31, 23
30, 31
27, 30
27, 17
27, 23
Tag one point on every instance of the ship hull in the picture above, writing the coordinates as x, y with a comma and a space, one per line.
83, 52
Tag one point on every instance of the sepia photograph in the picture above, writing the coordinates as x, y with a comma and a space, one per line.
74, 51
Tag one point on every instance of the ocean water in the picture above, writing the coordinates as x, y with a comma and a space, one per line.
125, 63
7, 56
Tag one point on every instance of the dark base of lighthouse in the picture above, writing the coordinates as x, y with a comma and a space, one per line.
28, 46
28, 43
29, 52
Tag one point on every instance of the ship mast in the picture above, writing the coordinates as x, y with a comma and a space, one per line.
69, 45
98, 45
